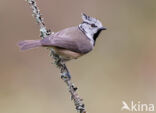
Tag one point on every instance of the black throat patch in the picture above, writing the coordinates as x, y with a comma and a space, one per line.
96, 35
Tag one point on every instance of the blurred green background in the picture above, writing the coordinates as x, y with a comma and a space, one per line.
121, 67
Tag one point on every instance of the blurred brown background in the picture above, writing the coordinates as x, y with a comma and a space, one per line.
121, 67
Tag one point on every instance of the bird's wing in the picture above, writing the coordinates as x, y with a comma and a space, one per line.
71, 39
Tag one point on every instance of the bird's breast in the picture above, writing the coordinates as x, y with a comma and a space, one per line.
67, 54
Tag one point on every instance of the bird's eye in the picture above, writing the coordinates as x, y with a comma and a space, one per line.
93, 25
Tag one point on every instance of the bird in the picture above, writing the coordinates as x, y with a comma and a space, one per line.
70, 43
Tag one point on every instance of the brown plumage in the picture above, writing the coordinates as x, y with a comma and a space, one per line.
70, 43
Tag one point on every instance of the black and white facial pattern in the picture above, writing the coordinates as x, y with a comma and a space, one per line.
91, 27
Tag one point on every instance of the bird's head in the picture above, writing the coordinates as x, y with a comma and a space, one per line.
91, 27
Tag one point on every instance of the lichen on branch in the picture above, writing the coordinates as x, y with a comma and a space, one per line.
65, 75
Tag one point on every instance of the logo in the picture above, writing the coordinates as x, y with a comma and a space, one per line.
138, 106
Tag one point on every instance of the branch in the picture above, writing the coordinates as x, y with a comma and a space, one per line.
65, 75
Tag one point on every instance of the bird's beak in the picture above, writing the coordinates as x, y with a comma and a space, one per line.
103, 28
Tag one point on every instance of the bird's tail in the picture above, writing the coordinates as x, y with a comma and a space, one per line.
29, 44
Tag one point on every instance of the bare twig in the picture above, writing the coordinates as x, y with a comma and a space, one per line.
65, 75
